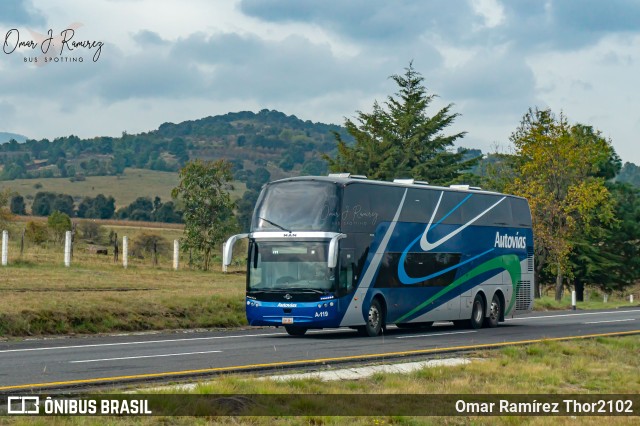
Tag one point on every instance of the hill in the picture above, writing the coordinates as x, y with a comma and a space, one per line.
6, 137
283, 144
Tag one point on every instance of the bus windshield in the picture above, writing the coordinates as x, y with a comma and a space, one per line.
297, 206
288, 266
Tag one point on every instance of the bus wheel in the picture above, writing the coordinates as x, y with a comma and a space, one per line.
495, 310
374, 321
295, 331
477, 313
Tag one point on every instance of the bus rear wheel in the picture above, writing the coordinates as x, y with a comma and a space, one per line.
374, 323
495, 311
295, 331
477, 313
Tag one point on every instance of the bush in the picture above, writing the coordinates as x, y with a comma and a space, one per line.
36, 232
143, 246
59, 224
91, 231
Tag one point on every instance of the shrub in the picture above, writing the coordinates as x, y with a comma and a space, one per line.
36, 232
144, 244
59, 223
91, 231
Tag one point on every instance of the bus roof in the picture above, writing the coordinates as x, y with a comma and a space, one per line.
345, 179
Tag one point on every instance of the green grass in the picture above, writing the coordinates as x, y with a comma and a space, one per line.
124, 189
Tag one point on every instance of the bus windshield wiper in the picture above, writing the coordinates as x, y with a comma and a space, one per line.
313, 290
274, 224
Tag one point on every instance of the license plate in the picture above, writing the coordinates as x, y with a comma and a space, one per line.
287, 320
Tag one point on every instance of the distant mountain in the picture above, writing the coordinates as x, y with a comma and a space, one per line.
6, 137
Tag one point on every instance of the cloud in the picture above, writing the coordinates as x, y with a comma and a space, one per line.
149, 38
19, 12
369, 21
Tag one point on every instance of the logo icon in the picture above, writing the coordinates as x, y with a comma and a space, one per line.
23, 405
288, 296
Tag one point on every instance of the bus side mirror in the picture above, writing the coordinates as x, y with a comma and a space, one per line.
227, 251
332, 260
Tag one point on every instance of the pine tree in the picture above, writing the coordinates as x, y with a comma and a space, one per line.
402, 140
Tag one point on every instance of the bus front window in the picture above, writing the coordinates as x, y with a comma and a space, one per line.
289, 266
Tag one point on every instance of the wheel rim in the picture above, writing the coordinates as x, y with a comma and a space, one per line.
374, 317
495, 310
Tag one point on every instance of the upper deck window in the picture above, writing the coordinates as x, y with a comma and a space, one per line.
297, 206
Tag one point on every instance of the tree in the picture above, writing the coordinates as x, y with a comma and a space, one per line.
556, 169
4, 214
208, 216
59, 223
245, 208
609, 257
18, 205
42, 202
402, 140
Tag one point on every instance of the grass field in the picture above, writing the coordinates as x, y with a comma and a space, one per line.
124, 189
39, 296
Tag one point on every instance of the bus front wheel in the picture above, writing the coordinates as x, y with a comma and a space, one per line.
295, 331
374, 323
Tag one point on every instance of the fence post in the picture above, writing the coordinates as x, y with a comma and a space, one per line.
67, 249
224, 267
125, 251
573, 300
176, 254
5, 247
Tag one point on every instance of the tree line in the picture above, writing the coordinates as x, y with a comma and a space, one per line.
145, 209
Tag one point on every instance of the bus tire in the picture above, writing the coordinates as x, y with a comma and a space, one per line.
295, 331
477, 313
495, 311
374, 323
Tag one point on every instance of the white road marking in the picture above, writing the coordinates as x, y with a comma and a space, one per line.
602, 322
98, 345
568, 315
435, 334
141, 356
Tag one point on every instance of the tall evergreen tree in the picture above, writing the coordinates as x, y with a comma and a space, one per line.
402, 140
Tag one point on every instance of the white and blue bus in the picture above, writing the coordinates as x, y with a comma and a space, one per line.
345, 251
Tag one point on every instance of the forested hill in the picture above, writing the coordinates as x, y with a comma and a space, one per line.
269, 140
285, 144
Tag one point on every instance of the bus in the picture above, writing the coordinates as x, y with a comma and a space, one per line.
345, 251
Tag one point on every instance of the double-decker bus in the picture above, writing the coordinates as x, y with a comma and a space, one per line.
345, 251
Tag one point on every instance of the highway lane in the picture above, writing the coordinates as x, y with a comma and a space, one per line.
58, 363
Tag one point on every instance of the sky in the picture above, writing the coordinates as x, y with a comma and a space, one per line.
146, 62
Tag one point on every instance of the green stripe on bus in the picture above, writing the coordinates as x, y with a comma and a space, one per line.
508, 262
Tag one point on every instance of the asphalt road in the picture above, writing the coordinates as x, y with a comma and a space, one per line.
63, 363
